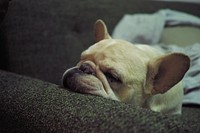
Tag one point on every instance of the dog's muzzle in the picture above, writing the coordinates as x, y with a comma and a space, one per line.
69, 74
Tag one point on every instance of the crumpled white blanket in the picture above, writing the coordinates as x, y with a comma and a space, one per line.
147, 29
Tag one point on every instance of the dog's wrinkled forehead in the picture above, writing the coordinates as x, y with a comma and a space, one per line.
112, 48
118, 54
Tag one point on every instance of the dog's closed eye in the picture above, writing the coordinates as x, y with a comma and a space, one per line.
112, 78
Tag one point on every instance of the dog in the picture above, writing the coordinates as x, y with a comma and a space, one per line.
132, 73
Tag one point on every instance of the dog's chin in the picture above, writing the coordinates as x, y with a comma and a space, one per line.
78, 81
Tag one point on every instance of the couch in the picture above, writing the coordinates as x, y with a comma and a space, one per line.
39, 40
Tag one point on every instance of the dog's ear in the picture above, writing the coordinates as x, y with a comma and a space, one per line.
100, 31
164, 72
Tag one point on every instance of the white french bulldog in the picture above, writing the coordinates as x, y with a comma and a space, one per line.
136, 74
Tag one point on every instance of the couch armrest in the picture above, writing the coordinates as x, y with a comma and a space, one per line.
31, 105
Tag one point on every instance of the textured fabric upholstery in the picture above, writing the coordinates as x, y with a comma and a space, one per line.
3, 10
43, 38
31, 105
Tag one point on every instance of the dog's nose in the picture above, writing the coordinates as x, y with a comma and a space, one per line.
68, 75
86, 68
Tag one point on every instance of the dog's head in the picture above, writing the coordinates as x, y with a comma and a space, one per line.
119, 70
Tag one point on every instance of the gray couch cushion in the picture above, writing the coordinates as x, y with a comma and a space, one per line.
3, 10
40, 39
30, 105
43, 38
